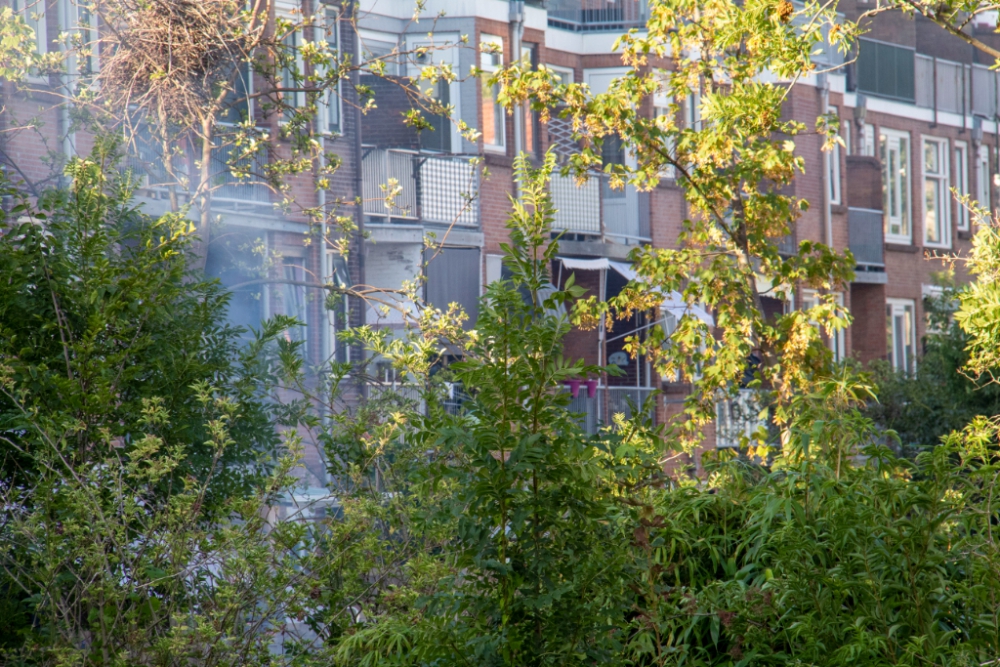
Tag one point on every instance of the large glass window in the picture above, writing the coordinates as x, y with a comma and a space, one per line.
961, 183
937, 198
491, 60
894, 150
900, 334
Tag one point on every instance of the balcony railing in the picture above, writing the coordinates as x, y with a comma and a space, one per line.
607, 402
597, 15
737, 417
865, 238
593, 208
410, 186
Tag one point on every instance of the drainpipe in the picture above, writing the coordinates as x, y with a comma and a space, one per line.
359, 209
65, 83
325, 348
516, 33
824, 88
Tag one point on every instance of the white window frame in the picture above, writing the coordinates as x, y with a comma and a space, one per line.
836, 341
83, 25
983, 178
691, 111
291, 11
961, 183
487, 64
897, 211
868, 140
846, 132
249, 90
662, 105
564, 75
895, 308
333, 258
294, 269
833, 169
941, 179
327, 28
33, 12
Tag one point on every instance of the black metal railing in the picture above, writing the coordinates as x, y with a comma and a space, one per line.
866, 237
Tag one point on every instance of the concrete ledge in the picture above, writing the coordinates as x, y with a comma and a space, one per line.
871, 277
394, 233
596, 249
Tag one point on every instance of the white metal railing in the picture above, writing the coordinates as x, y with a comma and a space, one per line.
409, 185
453, 396
578, 207
593, 208
737, 417
952, 87
606, 403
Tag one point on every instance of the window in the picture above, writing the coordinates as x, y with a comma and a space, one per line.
491, 60
961, 183
845, 130
338, 308
900, 334
835, 340
660, 113
833, 169
293, 297
561, 74
454, 276
531, 122
328, 29
236, 106
86, 39
33, 13
894, 149
691, 111
937, 199
885, 70
868, 140
292, 66
983, 177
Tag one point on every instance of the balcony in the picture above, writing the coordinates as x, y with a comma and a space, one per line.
594, 209
738, 417
406, 186
607, 402
597, 15
866, 241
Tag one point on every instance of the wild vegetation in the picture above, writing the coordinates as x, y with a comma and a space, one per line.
151, 513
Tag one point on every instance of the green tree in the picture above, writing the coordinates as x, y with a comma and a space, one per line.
733, 166
942, 396
99, 313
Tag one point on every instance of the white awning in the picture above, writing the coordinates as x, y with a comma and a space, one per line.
673, 302
585, 264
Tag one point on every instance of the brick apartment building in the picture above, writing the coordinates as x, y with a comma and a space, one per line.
919, 115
